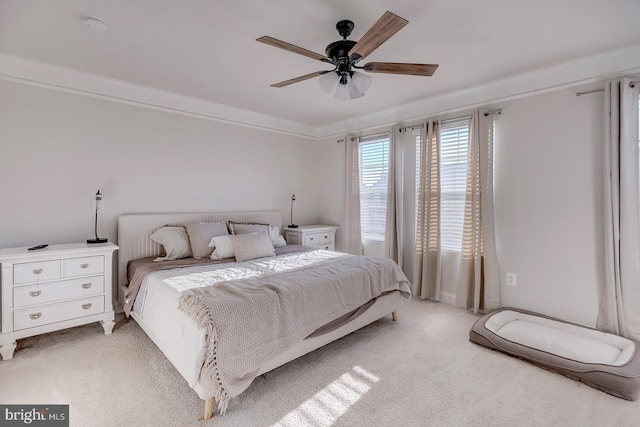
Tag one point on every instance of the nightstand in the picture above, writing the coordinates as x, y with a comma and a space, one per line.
317, 236
54, 288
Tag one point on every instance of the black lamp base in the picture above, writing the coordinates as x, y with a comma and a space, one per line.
292, 226
97, 240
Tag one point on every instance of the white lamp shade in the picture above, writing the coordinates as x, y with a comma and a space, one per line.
353, 90
361, 81
342, 92
328, 81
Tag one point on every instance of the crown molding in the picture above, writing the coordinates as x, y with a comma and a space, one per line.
591, 69
564, 75
41, 74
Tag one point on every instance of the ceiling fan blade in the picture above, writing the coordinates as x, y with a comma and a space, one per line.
401, 68
299, 79
382, 30
292, 48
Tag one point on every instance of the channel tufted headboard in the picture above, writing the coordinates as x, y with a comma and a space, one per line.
135, 230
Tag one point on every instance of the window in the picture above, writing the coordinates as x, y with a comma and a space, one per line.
454, 144
374, 172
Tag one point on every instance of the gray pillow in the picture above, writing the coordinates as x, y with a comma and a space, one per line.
252, 245
274, 232
242, 228
201, 234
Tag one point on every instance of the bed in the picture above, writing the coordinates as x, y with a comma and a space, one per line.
199, 312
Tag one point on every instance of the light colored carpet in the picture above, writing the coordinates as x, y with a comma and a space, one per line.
419, 371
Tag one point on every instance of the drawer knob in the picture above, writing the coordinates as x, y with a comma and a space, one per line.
326, 237
311, 238
86, 306
37, 271
84, 265
86, 285
35, 293
35, 316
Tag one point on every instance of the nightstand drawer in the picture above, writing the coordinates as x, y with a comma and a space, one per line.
86, 266
36, 316
318, 238
36, 272
42, 294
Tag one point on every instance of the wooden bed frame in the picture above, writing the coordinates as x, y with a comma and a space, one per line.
134, 240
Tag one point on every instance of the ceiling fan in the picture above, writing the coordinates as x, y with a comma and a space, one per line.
344, 55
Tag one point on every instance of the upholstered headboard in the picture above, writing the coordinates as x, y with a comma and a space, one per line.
135, 230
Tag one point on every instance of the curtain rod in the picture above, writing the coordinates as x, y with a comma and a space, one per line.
631, 84
589, 91
486, 113
404, 129
498, 111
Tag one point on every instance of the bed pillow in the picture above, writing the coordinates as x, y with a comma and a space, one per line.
200, 236
175, 242
222, 247
251, 246
246, 228
275, 236
274, 232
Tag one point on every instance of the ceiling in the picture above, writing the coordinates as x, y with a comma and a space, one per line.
207, 49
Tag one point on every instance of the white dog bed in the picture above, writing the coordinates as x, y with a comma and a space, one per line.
605, 361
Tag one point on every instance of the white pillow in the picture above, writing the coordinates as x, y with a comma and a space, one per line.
222, 247
250, 246
275, 236
175, 242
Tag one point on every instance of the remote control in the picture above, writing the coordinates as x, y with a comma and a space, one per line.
33, 248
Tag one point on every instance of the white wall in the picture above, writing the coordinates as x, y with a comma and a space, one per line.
549, 213
548, 203
57, 149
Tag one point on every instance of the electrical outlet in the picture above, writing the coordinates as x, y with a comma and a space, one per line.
511, 279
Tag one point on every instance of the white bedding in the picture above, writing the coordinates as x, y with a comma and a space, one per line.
181, 340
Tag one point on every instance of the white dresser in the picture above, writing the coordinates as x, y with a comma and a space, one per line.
57, 287
318, 236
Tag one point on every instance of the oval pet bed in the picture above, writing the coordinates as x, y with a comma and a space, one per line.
605, 361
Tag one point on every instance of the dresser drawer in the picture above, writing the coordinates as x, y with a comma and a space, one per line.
86, 266
318, 238
326, 246
36, 272
50, 292
43, 315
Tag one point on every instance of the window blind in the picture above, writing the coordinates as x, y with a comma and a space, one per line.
454, 144
374, 173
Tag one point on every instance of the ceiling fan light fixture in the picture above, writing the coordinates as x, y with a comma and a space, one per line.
328, 81
354, 92
361, 81
345, 54
342, 92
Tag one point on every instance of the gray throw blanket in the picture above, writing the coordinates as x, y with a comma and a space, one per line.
250, 321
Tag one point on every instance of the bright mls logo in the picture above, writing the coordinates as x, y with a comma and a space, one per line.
34, 415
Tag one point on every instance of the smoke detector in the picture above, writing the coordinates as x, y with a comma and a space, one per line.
94, 23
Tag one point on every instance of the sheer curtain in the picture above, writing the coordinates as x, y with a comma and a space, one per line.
351, 232
427, 274
393, 232
619, 304
478, 279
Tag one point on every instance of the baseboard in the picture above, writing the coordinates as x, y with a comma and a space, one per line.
448, 298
